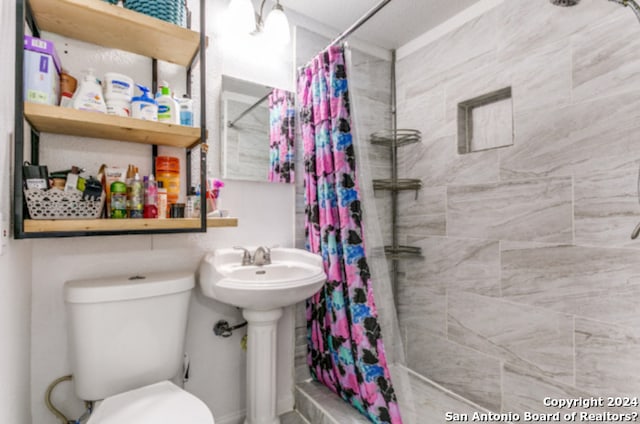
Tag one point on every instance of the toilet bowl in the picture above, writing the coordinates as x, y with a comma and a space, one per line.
126, 341
160, 403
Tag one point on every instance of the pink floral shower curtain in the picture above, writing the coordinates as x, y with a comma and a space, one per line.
281, 136
346, 352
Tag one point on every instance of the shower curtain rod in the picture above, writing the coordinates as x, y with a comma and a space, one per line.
373, 11
360, 22
248, 111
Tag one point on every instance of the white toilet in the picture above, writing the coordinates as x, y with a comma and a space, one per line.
126, 340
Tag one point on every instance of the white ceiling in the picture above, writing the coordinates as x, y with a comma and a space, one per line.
397, 23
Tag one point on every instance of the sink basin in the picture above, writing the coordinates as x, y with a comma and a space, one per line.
292, 276
262, 292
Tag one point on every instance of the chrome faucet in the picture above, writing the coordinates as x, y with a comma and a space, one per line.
246, 256
262, 256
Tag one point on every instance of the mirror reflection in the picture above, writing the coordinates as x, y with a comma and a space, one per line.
258, 132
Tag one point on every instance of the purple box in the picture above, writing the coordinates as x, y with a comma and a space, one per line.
41, 71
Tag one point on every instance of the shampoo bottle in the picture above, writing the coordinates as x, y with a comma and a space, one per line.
88, 96
168, 107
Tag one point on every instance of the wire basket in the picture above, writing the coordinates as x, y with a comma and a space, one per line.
173, 11
58, 204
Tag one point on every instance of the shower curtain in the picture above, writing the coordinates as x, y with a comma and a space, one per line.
346, 352
281, 136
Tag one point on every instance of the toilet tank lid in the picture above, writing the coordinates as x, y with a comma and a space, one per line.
140, 286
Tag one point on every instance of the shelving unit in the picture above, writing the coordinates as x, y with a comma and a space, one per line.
100, 23
58, 120
101, 226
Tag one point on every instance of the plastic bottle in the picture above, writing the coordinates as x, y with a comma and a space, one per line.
88, 96
118, 200
186, 111
135, 197
192, 199
162, 201
144, 107
150, 197
168, 171
168, 107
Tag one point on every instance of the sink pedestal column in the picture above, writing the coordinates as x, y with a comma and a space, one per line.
261, 366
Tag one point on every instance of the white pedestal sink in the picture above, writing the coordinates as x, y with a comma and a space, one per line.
261, 292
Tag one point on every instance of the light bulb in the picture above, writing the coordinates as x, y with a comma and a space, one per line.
276, 26
240, 17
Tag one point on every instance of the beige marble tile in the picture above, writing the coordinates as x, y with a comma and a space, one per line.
542, 78
425, 215
455, 264
437, 163
607, 358
431, 403
463, 49
525, 391
466, 372
605, 59
421, 309
532, 338
582, 139
607, 209
597, 283
526, 25
527, 210
319, 405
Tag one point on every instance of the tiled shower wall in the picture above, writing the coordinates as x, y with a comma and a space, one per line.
530, 283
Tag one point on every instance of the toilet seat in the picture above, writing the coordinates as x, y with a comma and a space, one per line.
159, 403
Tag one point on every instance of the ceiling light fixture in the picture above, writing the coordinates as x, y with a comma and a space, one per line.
275, 26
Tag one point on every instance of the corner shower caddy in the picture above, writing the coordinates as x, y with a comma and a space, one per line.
394, 139
100, 23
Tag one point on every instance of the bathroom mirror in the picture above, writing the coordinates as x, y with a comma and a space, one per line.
258, 132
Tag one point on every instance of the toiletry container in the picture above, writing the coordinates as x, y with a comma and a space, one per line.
41, 71
144, 107
135, 197
118, 203
126, 341
118, 92
88, 96
68, 85
186, 111
163, 206
168, 171
150, 197
168, 107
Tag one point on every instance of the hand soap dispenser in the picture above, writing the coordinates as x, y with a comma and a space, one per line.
144, 107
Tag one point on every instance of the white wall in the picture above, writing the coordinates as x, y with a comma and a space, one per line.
265, 212
15, 263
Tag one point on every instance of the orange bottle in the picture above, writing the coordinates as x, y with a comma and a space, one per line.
168, 171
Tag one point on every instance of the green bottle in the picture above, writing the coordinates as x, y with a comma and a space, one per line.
118, 200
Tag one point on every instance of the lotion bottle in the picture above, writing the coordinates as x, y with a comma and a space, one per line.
168, 107
88, 96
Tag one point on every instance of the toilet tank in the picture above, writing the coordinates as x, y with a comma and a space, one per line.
126, 332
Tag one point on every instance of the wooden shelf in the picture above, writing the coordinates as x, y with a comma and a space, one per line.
34, 226
101, 23
58, 120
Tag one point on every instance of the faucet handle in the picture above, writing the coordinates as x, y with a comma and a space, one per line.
246, 256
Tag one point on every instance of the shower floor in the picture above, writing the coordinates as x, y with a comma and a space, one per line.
421, 401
